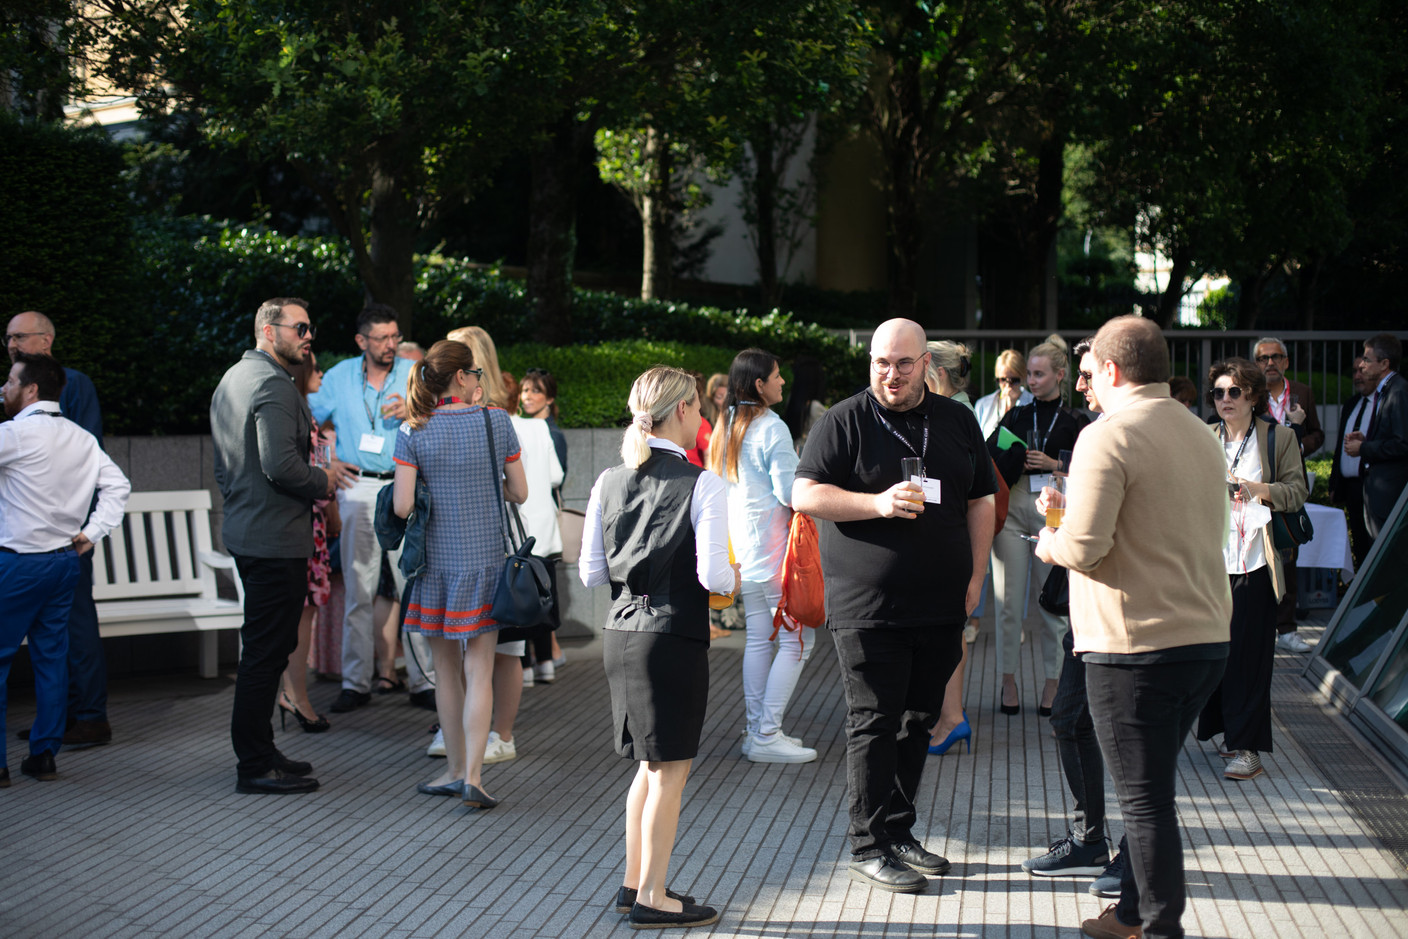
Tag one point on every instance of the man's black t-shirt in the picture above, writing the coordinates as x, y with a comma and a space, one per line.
896, 571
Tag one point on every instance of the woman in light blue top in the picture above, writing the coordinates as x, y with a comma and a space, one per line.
752, 451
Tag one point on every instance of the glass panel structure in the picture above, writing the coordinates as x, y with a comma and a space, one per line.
1372, 611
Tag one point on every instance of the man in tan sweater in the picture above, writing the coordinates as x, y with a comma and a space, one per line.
1150, 603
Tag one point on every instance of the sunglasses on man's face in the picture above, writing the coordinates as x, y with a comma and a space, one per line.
304, 330
1233, 393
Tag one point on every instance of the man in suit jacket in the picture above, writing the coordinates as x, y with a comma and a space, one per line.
262, 431
1346, 486
1383, 449
1289, 403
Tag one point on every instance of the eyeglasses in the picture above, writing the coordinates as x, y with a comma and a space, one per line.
20, 337
1087, 377
476, 372
1268, 359
382, 340
1009, 381
903, 366
1233, 393
304, 330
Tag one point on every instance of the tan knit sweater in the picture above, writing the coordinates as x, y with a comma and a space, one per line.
1143, 532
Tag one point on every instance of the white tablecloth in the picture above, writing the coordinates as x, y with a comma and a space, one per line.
1330, 546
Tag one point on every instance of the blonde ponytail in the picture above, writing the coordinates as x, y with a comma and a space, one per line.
654, 395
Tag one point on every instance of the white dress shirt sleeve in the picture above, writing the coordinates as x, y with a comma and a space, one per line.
113, 490
708, 512
591, 565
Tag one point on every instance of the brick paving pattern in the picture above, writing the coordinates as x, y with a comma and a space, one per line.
146, 837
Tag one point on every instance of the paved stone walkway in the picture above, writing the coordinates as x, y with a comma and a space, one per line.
147, 837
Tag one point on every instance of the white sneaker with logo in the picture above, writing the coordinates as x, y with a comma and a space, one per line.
778, 748
499, 750
437, 746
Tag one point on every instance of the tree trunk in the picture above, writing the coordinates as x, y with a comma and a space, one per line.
1173, 293
657, 268
765, 194
1249, 307
390, 274
902, 139
552, 226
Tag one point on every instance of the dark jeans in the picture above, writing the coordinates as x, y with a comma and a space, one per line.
87, 668
1078, 749
1142, 715
274, 590
894, 683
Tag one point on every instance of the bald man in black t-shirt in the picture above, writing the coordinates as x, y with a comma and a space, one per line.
902, 575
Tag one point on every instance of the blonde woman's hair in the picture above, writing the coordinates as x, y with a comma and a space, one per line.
1010, 360
952, 357
654, 396
431, 376
498, 393
1053, 350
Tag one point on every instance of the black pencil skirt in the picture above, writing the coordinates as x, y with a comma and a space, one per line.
659, 689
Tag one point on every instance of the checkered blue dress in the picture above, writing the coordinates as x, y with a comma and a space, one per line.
464, 547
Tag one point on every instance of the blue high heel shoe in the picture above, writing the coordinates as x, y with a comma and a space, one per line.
964, 732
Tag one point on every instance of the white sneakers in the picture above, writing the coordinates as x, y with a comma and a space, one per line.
1245, 765
779, 748
437, 746
499, 750
1292, 642
544, 673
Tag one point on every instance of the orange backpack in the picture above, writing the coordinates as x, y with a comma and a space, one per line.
803, 600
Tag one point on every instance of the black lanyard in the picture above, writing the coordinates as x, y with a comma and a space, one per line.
923, 447
1251, 432
1036, 429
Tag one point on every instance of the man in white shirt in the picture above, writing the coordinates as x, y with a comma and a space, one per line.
49, 468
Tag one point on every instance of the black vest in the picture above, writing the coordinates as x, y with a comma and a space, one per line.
649, 543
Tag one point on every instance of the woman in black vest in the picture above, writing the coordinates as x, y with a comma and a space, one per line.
657, 532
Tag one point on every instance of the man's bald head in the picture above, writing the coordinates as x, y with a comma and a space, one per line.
1137, 346
30, 332
899, 332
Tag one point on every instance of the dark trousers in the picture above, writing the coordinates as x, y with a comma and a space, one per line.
1286, 609
87, 668
1142, 714
894, 682
36, 591
274, 590
1352, 492
1078, 749
1240, 707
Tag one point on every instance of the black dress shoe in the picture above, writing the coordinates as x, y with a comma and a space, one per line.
40, 766
275, 782
886, 873
626, 898
912, 854
424, 699
350, 700
81, 734
5, 781
643, 917
292, 767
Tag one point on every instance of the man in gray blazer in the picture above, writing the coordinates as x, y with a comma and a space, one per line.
262, 431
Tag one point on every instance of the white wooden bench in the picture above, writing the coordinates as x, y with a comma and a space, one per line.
155, 573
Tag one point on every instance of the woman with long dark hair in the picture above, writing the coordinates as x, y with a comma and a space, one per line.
752, 451
657, 532
445, 441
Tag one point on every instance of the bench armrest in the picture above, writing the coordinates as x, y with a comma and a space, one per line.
217, 561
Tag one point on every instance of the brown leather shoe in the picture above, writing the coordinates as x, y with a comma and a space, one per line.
88, 734
1108, 926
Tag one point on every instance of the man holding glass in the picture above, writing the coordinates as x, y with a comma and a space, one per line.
364, 397
904, 555
1145, 522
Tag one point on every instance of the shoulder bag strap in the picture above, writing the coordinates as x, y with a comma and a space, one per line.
498, 483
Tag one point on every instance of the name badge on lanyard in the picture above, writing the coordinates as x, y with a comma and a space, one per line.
371, 443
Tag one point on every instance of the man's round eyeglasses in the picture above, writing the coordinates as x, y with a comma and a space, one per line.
903, 366
304, 330
1268, 359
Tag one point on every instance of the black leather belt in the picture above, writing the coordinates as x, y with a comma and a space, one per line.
368, 474
4, 550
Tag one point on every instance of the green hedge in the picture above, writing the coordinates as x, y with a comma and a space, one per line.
202, 281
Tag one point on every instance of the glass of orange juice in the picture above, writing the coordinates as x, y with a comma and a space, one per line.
1055, 492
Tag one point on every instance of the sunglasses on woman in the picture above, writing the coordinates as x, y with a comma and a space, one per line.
1234, 393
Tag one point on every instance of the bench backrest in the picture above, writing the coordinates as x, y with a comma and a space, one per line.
155, 552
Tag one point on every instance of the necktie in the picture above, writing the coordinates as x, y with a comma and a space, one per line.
1358, 416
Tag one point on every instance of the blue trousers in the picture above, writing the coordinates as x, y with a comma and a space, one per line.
36, 592
87, 668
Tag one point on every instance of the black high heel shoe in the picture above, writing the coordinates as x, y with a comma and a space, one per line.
286, 708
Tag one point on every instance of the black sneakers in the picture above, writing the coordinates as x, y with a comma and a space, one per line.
1069, 857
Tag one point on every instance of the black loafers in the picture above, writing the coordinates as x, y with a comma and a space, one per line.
40, 766
886, 873
291, 767
350, 700
643, 917
912, 854
626, 898
275, 782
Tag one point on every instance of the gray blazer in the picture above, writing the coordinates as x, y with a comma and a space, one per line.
262, 431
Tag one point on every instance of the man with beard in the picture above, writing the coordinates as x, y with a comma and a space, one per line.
364, 397
49, 470
88, 726
904, 564
262, 432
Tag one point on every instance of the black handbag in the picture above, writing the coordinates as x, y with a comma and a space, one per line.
1289, 530
1055, 596
523, 599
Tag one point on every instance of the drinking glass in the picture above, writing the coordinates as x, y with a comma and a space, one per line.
1055, 501
912, 468
322, 455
